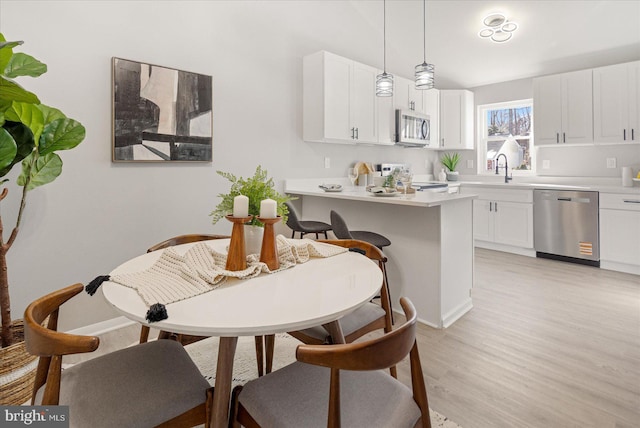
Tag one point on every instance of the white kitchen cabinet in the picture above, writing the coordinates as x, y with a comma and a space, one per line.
456, 119
503, 217
620, 232
562, 105
616, 103
406, 97
339, 100
431, 106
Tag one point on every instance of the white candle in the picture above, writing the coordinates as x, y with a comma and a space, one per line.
241, 206
268, 208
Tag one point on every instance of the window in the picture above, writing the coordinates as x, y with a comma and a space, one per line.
506, 128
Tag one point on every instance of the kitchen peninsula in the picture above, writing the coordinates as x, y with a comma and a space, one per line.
430, 259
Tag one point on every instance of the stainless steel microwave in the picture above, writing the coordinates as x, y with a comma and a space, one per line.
412, 129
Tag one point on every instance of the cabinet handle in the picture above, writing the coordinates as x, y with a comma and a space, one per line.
495, 206
564, 137
557, 137
353, 133
632, 136
631, 201
624, 134
490, 206
357, 133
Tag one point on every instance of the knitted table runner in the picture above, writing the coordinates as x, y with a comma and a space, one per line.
175, 277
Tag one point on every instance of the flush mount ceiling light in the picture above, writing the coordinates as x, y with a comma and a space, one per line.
425, 73
384, 81
497, 28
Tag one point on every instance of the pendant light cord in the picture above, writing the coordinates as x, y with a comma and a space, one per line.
424, 28
384, 36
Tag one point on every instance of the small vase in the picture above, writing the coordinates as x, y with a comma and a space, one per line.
253, 239
452, 175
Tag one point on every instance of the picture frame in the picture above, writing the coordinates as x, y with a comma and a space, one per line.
160, 114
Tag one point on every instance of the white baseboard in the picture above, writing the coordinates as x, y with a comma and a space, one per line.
103, 327
529, 252
457, 312
620, 267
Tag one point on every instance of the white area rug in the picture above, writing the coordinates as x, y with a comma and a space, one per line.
205, 355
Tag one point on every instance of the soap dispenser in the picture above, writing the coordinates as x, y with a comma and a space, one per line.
443, 175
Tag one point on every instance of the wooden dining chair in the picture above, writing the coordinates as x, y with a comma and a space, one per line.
177, 240
341, 231
149, 384
186, 339
367, 318
340, 385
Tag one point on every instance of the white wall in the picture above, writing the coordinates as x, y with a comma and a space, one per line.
99, 214
580, 161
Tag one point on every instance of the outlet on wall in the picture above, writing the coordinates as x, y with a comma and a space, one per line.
470, 163
327, 163
611, 162
546, 164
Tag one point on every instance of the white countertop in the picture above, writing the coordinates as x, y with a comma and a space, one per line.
605, 188
425, 199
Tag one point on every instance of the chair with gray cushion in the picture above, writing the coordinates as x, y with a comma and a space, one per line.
341, 385
341, 231
304, 226
150, 384
367, 318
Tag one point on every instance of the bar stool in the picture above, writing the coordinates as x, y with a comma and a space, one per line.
341, 231
306, 226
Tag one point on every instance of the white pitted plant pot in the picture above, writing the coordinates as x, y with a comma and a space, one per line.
452, 175
253, 239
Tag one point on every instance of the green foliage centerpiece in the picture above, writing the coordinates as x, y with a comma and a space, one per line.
256, 188
30, 135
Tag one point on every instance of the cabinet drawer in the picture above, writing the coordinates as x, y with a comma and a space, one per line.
620, 201
494, 194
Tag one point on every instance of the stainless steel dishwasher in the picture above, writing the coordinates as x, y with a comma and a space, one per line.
565, 225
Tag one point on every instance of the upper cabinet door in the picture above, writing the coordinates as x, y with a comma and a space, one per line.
339, 100
577, 113
562, 105
456, 119
363, 103
337, 77
615, 103
547, 108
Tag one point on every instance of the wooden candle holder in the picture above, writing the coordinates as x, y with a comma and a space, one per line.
269, 250
237, 257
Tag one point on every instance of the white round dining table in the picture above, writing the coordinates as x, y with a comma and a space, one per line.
318, 292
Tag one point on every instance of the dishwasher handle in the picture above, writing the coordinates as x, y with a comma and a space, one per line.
579, 200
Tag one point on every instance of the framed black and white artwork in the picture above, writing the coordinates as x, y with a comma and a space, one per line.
161, 114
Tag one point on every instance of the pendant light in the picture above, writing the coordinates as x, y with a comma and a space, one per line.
384, 81
425, 73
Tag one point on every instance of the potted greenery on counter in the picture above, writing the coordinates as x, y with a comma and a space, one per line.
450, 161
256, 188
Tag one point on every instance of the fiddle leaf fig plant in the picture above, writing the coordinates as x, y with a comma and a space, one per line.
256, 188
31, 134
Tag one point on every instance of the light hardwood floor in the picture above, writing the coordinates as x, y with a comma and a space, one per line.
546, 345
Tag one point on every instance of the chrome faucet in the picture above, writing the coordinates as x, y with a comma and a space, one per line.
506, 168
